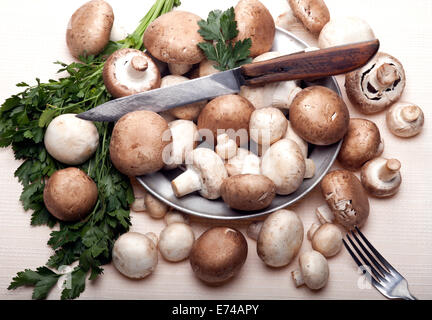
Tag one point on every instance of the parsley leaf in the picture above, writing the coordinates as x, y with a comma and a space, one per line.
221, 28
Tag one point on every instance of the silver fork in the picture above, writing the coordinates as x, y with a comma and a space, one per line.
384, 277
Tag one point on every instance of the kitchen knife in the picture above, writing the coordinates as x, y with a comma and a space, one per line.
302, 65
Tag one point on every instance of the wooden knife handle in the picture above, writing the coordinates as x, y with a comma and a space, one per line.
312, 64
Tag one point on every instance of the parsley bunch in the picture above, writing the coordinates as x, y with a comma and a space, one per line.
23, 121
221, 28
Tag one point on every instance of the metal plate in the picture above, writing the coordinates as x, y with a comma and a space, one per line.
159, 183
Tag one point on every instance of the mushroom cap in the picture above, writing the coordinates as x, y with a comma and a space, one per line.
70, 194
187, 112
314, 14
267, 125
405, 119
234, 165
227, 114
346, 197
89, 28
255, 21
376, 85
134, 255
206, 68
360, 144
292, 135
176, 241
280, 238
319, 116
248, 192
174, 38
284, 164
314, 268
218, 254
344, 30
374, 183
71, 140
124, 73
327, 240
137, 143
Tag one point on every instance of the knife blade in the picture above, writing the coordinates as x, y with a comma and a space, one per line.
302, 65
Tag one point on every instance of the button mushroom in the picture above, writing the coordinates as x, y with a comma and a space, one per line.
255, 21
70, 194
327, 240
173, 38
226, 148
175, 216
136, 146
218, 254
284, 164
381, 177
155, 208
314, 14
319, 115
405, 119
176, 241
267, 125
134, 255
227, 114
206, 68
346, 197
185, 137
376, 85
248, 192
130, 71
89, 28
280, 238
186, 112
139, 192
205, 173
344, 30
361, 143
70, 139
314, 270
243, 162
292, 135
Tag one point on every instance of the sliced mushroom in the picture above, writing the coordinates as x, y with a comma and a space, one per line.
376, 85
381, 177
205, 173
405, 119
319, 115
267, 125
130, 71
314, 14
361, 143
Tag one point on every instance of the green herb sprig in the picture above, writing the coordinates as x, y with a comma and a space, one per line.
220, 29
23, 121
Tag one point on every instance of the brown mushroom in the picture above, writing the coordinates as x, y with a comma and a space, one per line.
381, 177
227, 114
136, 146
314, 14
346, 198
376, 85
255, 21
218, 254
248, 192
130, 71
70, 194
361, 143
319, 116
89, 28
173, 38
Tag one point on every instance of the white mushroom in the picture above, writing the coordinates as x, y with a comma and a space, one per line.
381, 177
324, 214
243, 162
71, 140
205, 173
280, 238
155, 208
327, 240
226, 148
344, 30
284, 163
134, 255
254, 229
153, 237
267, 125
176, 241
175, 216
312, 229
185, 137
405, 119
291, 134
314, 270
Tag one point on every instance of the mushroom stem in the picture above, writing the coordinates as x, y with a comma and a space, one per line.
411, 113
390, 170
297, 278
188, 182
139, 63
387, 74
254, 229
